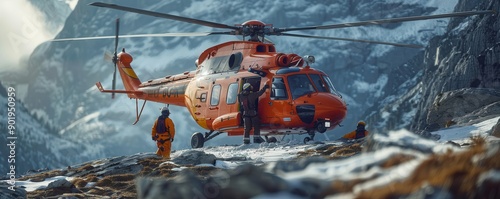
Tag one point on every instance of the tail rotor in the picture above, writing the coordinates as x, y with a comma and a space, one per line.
115, 56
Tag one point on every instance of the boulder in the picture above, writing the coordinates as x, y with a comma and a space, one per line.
184, 185
193, 157
59, 183
245, 181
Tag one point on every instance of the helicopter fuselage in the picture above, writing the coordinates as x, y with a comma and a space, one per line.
301, 99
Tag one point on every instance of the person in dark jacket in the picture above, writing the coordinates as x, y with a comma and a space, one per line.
248, 100
163, 133
359, 133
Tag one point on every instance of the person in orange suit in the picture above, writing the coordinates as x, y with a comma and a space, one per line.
359, 133
163, 132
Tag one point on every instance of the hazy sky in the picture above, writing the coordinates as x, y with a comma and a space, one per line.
22, 29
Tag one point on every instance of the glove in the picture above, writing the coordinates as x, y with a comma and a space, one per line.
266, 86
172, 140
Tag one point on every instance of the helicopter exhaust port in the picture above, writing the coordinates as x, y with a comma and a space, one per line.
282, 60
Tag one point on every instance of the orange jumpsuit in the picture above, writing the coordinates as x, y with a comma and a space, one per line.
163, 140
352, 135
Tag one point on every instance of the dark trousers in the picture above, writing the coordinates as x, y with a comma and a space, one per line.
250, 122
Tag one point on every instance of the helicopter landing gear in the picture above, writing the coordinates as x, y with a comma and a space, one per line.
310, 138
271, 139
198, 139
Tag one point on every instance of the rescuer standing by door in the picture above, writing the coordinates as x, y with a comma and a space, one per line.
248, 100
163, 133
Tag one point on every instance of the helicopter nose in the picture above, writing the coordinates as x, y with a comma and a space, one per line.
323, 106
330, 107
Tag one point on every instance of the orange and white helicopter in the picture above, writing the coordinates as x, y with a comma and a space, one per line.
301, 99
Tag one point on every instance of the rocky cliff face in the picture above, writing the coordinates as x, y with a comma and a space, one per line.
464, 60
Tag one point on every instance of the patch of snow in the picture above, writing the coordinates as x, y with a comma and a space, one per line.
32, 186
464, 133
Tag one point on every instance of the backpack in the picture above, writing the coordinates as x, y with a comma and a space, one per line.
161, 127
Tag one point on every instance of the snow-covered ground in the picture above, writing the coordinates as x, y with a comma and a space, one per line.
396, 143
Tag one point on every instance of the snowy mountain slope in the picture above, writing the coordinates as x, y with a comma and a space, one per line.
34, 147
291, 170
68, 70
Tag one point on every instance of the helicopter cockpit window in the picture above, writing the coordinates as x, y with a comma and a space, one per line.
232, 93
214, 99
330, 85
300, 85
320, 85
278, 91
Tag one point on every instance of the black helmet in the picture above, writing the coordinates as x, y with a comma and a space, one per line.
165, 111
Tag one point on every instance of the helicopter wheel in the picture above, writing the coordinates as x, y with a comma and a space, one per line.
307, 139
197, 140
272, 140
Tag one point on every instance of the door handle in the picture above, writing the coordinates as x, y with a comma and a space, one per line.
213, 108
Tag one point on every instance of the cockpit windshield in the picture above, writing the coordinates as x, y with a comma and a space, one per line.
330, 85
300, 85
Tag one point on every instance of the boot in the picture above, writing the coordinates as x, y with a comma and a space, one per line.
246, 140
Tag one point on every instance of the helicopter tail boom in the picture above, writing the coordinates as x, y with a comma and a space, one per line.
130, 80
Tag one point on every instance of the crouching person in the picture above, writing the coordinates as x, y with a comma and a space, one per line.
163, 133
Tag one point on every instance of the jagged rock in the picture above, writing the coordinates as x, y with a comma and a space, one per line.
466, 56
463, 105
5, 192
195, 158
495, 131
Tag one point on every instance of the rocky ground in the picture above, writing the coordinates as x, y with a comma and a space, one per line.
397, 166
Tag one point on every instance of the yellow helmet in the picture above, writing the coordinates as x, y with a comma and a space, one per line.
362, 123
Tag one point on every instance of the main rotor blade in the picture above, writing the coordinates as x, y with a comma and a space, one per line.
355, 40
188, 34
163, 15
386, 21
